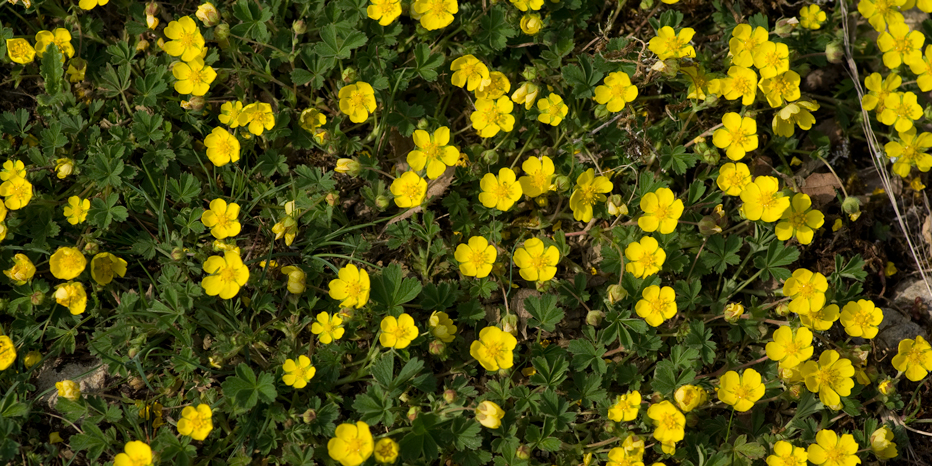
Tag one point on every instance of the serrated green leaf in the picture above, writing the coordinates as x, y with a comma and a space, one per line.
246, 390
104, 211
339, 44
544, 311
494, 29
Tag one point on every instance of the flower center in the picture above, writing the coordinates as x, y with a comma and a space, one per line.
741, 84
353, 289
798, 219
437, 7
413, 191
806, 290
647, 260
741, 392
495, 349
669, 422
478, 258
228, 274
827, 376
355, 446
503, 191
188, 39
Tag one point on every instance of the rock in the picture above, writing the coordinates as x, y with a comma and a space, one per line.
89, 374
897, 324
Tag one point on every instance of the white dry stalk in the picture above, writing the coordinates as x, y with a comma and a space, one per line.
877, 156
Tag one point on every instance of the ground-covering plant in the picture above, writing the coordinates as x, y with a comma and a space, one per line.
439, 232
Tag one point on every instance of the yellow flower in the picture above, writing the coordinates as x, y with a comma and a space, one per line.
32, 358
538, 176
135, 453
763, 200
60, 37
76, 210
196, 422
67, 263
790, 348
531, 24
13, 169
821, 319
537, 263
330, 328
915, 185
741, 391
500, 192
435, 14
744, 42
352, 445
187, 41
72, 296
882, 443
922, 67
296, 279
386, 451
700, 85
258, 116
494, 349
733, 312
771, 59
20, 51
657, 306
311, 119
298, 374
900, 110
476, 257
351, 287
193, 77
690, 397
879, 13
492, 116
831, 450
861, 318
76, 69
525, 5
222, 147
662, 211
781, 88
358, 101
552, 110
910, 151
811, 17
741, 82
287, 226
208, 14
385, 11
90, 5
784, 453
616, 91
17, 192
799, 220
68, 389
228, 274
733, 177
498, 86
807, 289
222, 219
878, 90
667, 44
794, 114
7, 352
526, 94
22, 270
900, 45
669, 424
105, 265
590, 189
441, 326
409, 190
914, 358
64, 167
626, 407
433, 152
230, 112
645, 257
830, 377
489, 414
397, 333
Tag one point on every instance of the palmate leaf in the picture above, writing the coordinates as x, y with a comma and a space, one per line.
245, 389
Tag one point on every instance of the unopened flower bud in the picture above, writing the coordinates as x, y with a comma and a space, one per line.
794, 391
782, 309
531, 23
436, 347
349, 75
733, 312
561, 183
299, 27
195, 103
309, 416
708, 226
143, 45
64, 167
529, 371
91, 248
616, 205
594, 318
523, 452
833, 52
489, 157
152, 9
32, 358
208, 14
350, 167
222, 32
616, 293
332, 199
692, 420
851, 206
412, 413
152, 22
510, 324
37, 298
886, 387
529, 73
423, 124
785, 26
449, 396
382, 201
177, 254
707, 153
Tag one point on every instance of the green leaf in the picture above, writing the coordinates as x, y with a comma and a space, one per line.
105, 166
405, 117
115, 81
676, 159
147, 128
465, 433
189, 221
586, 354
494, 29
184, 189
254, 16
439, 297
587, 388
544, 311
52, 139
749, 450
245, 389
667, 378
150, 86
374, 407
700, 338
391, 290
551, 370
582, 77
555, 406
339, 44
424, 440
722, 252
426, 63
771, 264
317, 69
102, 212
52, 70
853, 269
92, 439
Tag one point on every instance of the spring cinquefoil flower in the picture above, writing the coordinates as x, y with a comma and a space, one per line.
807, 290
616, 91
538, 176
799, 220
781, 88
861, 318
830, 377
476, 257
790, 348
645, 257
832, 450
193, 77
900, 110
590, 190
882, 443
409, 190
669, 425
668, 44
744, 41
352, 444
386, 450
811, 17
351, 287
384, 11
186, 40
76, 210
738, 136
494, 349
22, 270
732, 178
741, 83
435, 14
222, 219
222, 147
785, 454
794, 114
196, 422
914, 358
61, 37
358, 101
657, 306
227, 275
397, 333
20, 51
67, 263
498, 86
741, 391
441, 326
500, 192
329, 327
900, 45
296, 279
626, 407
298, 373
771, 59
763, 200
489, 414
69, 390
880, 13
689, 397
552, 110
537, 263
7, 352
104, 266
433, 152
878, 89
492, 116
